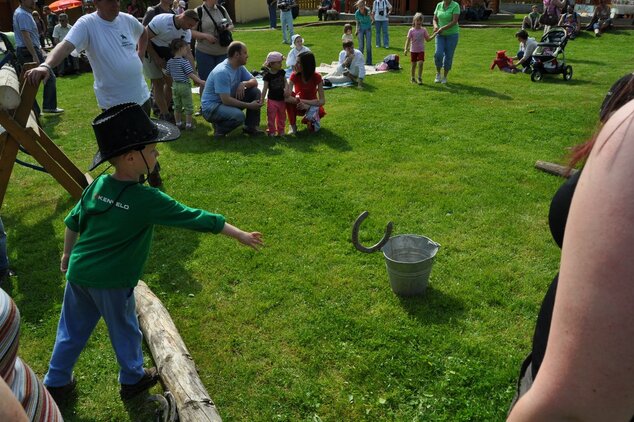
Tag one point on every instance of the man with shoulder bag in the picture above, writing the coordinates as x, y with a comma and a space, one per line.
286, 19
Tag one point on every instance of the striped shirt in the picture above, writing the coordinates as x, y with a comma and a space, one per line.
24, 384
178, 68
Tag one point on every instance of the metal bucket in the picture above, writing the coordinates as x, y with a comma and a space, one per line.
409, 259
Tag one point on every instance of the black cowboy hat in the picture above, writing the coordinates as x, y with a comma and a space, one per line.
126, 127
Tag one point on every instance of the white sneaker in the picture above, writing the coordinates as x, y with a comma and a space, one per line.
443, 81
437, 79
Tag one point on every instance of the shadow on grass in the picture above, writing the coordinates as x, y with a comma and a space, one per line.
141, 408
248, 145
558, 79
434, 307
366, 87
49, 123
619, 32
458, 88
38, 284
67, 408
583, 61
583, 34
171, 249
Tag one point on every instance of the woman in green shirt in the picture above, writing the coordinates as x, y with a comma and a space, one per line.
363, 19
446, 26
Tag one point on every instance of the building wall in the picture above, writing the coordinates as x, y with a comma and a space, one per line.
249, 10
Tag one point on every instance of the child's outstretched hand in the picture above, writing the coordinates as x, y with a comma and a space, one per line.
253, 239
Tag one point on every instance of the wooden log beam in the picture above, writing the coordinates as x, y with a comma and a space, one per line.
173, 360
555, 169
56, 153
9, 88
10, 145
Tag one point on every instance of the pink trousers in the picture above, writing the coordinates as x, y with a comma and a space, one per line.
276, 116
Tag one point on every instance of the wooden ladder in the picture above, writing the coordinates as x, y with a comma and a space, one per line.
20, 130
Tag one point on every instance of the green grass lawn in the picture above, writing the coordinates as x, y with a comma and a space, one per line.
308, 329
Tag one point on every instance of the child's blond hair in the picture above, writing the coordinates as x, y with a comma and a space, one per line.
417, 16
347, 27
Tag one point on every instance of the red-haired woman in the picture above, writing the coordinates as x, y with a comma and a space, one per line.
582, 366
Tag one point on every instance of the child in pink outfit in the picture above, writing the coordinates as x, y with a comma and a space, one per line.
416, 37
276, 87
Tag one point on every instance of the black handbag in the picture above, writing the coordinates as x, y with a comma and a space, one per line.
550, 16
225, 37
548, 19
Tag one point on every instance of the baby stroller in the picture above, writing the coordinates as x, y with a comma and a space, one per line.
549, 56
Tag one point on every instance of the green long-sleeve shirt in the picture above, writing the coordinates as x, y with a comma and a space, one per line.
114, 245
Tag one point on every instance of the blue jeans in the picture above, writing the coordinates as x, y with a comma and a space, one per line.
287, 25
49, 98
207, 62
365, 38
445, 47
381, 26
4, 259
227, 118
81, 310
273, 15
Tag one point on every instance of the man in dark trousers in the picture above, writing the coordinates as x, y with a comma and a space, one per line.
324, 7
29, 49
272, 4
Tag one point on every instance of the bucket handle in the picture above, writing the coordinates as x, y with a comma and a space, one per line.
355, 235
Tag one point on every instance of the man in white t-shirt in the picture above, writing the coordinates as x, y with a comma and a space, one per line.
61, 29
161, 30
351, 67
59, 33
114, 43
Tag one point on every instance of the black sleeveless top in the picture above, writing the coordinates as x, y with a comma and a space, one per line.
557, 218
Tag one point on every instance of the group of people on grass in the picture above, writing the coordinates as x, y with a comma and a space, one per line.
562, 13
581, 365
446, 31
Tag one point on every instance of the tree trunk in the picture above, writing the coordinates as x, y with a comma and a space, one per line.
173, 360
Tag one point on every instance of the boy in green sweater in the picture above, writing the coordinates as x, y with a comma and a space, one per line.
115, 218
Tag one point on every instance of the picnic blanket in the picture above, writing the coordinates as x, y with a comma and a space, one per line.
329, 68
322, 68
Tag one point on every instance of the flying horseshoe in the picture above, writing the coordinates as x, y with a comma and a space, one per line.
355, 235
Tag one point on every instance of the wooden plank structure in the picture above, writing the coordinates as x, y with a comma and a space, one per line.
175, 364
556, 169
21, 128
